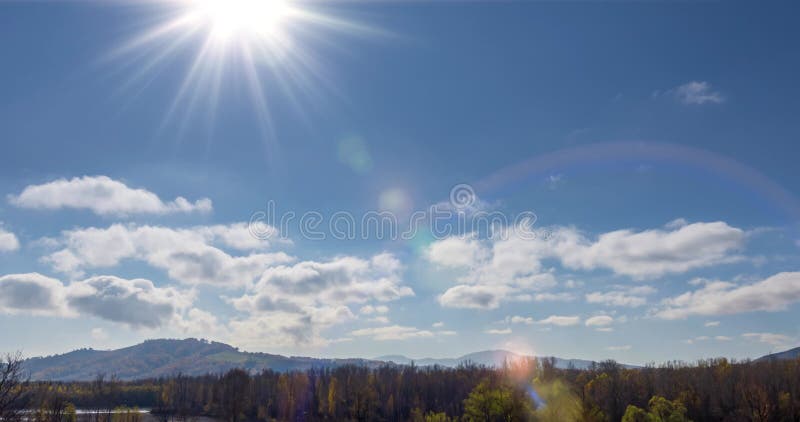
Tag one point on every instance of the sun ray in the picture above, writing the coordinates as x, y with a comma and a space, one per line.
263, 44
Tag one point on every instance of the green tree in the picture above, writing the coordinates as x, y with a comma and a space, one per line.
496, 403
659, 410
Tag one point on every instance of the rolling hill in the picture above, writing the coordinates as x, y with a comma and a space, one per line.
157, 358
787, 354
165, 357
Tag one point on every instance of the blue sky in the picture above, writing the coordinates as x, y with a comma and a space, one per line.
656, 144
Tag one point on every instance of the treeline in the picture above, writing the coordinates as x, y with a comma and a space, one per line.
711, 390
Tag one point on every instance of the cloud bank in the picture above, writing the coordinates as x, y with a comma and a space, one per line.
509, 267
772, 294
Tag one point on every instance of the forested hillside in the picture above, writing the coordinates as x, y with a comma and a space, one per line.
166, 357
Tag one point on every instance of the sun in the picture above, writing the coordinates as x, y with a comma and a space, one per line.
271, 47
231, 19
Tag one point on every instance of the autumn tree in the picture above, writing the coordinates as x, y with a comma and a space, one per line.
11, 387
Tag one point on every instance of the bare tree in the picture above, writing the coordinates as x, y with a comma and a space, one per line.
11, 387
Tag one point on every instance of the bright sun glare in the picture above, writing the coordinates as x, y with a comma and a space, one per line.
266, 45
228, 19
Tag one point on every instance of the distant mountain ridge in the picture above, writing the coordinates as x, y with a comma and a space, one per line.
165, 357
786, 354
488, 357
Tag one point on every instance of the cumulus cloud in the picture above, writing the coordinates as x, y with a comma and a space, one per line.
496, 331
32, 294
516, 319
457, 252
773, 294
553, 297
289, 305
137, 303
697, 93
300, 300
103, 196
190, 255
509, 266
599, 321
630, 297
472, 296
369, 309
650, 253
619, 348
773, 339
8, 241
561, 321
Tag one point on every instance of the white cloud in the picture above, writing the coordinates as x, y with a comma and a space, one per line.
472, 296
136, 303
711, 324
773, 294
187, 255
516, 319
619, 348
32, 294
379, 319
599, 321
340, 281
676, 223
99, 334
275, 330
509, 266
707, 338
103, 196
650, 253
369, 309
696, 93
561, 321
456, 252
8, 241
770, 338
197, 322
553, 297
394, 332
298, 301
438, 324
630, 297
495, 331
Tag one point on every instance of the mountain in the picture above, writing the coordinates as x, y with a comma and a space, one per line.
157, 358
787, 354
489, 358
165, 357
